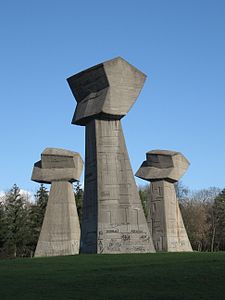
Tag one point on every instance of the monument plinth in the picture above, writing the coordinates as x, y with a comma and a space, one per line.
113, 217
60, 232
163, 168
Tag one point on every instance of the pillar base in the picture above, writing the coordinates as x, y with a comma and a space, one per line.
60, 233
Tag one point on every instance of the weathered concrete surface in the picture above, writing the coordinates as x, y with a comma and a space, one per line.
163, 164
60, 233
107, 90
163, 168
57, 164
113, 217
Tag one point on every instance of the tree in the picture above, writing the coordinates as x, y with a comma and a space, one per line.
41, 198
198, 215
79, 195
15, 222
182, 191
36, 217
144, 196
195, 220
2, 227
207, 198
218, 209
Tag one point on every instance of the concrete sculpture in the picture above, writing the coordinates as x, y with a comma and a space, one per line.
163, 168
113, 218
60, 233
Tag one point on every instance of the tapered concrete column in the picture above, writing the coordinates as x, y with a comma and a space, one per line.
60, 233
113, 217
163, 168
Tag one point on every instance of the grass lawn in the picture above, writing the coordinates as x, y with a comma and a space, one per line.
127, 276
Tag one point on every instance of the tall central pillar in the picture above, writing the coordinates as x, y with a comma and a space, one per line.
113, 217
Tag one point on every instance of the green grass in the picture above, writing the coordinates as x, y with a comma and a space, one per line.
134, 276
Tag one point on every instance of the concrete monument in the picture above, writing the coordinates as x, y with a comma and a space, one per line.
113, 218
60, 233
163, 168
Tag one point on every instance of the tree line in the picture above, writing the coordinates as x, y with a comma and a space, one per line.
204, 218
20, 222
21, 219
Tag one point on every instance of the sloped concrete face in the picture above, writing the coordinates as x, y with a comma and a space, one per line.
113, 217
60, 233
164, 217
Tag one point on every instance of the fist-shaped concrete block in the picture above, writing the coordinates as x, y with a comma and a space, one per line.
163, 168
60, 232
107, 90
113, 217
163, 164
57, 164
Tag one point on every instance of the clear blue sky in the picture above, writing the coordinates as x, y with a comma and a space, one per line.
180, 45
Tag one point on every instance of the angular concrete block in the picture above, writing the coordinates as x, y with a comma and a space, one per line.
60, 232
163, 168
163, 164
55, 158
106, 90
57, 164
113, 217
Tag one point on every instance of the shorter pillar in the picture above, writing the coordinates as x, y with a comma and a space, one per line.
163, 168
60, 232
